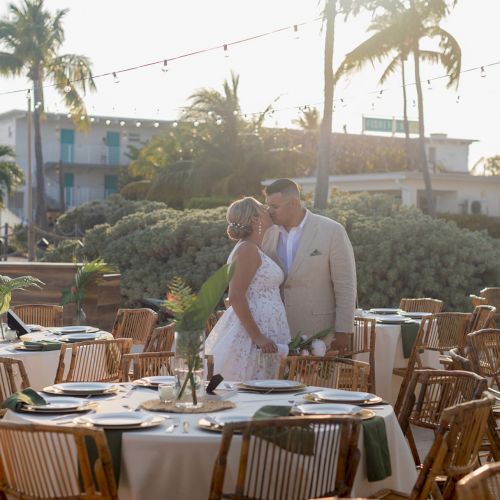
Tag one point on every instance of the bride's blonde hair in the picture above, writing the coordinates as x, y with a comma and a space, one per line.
239, 216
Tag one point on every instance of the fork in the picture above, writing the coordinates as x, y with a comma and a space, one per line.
172, 426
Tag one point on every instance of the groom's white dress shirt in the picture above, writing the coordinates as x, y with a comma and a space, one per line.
289, 242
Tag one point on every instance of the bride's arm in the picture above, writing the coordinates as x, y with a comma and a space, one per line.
247, 261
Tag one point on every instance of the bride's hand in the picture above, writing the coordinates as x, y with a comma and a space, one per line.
266, 345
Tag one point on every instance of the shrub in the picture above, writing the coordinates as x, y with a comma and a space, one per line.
476, 222
399, 251
137, 190
210, 202
65, 251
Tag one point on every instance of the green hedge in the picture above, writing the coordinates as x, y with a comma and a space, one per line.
476, 222
399, 251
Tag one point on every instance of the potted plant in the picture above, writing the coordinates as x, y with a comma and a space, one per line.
8, 285
88, 274
191, 313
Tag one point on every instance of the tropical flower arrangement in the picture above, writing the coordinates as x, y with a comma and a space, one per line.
8, 285
191, 313
88, 274
309, 346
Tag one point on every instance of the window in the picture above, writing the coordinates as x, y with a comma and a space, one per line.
113, 142
67, 145
110, 185
69, 182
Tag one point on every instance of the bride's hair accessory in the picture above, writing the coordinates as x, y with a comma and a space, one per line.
240, 216
237, 225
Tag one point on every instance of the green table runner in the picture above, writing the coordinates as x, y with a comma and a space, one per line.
26, 396
43, 345
409, 332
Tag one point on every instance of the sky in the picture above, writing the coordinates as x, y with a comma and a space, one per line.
119, 34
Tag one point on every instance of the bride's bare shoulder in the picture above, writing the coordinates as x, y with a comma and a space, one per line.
246, 251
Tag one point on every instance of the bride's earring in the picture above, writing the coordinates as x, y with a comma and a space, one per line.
260, 228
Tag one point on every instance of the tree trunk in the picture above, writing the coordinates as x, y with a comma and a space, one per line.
324, 154
41, 202
405, 117
422, 156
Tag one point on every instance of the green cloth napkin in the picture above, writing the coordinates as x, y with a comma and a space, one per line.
378, 459
295, 440
25, 397
44, 345
114, 439
409, 332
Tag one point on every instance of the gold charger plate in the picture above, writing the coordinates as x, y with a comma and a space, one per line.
310, 398
58, 392
154, 421
211, 424
243, 387
364, 414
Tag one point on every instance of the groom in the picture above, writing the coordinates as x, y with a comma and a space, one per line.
318, 261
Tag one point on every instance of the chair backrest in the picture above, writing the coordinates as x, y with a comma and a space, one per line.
492, 296
482, 484
135, 324
160, 339
147, 364
477, 301
40, 314
421, 305
484, 352
481, 317
212, 320
49, 461
13, 377
93, 361
459, 361
315, 457
430, 392
363, 341
335, 373
454, 451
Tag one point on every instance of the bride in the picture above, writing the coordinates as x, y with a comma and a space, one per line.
245, 340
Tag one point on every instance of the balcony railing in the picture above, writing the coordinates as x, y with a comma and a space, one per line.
74, 197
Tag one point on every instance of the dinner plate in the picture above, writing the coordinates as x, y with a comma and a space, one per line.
63, 330
333, 409
80, 337
34, 328
415, 314
272, 384
23, 347
81, 388
384, 311
157, 380
339, 396
121, 420
58, 405
392, 319
217, 423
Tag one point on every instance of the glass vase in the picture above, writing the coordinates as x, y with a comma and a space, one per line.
79, 318
189, 368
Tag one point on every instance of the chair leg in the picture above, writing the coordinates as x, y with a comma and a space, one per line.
413, 446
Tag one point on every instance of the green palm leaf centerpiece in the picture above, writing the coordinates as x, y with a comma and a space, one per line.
191, 313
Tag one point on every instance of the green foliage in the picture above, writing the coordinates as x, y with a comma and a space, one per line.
179, 297
210, 202
11, 174
65, 251
476, 222
107, 211
88, 274
136, 190
399, 251
8, 285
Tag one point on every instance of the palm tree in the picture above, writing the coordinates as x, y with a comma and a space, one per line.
10, 173
31, 39
398, 32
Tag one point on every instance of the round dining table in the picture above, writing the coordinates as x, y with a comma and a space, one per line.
175, 460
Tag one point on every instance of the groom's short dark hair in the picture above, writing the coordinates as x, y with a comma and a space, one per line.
286, 187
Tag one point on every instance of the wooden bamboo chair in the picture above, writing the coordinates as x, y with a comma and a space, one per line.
147, 364
13, 377
290, 458
160, 339
482, 484
49, 315
459, 361
363, 341
135, 324
438, 332
212, 321
93, 361
430, 392
53, 461
334, 373
482, 317
432, 306
484, 348
453, 453
492, 296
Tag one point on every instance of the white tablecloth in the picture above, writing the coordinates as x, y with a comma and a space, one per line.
41, 366
389, 355
157, 465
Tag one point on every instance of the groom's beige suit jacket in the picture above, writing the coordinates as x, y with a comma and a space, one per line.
319, 291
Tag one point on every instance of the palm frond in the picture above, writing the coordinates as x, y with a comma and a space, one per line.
391, 68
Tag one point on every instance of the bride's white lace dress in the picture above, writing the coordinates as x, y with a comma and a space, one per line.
236, 357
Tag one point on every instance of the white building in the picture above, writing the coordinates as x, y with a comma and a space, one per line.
455, 189
80, 166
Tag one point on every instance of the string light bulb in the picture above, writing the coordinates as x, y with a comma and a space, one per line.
458, 99
379, 95
82, 117
108, 122
413, 103
226, 51
92, 119
218, 121
164, 68
235, 112
138, 124
174, 124
429, 86
115, 77
122, 123
483, 72
67, 88
196, 123
343, 102
69, 115
156, 124
296, 33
